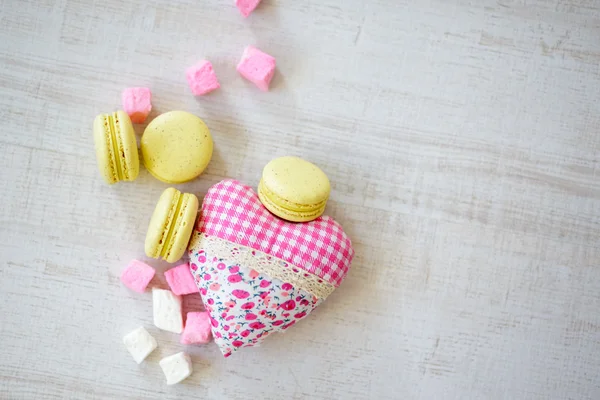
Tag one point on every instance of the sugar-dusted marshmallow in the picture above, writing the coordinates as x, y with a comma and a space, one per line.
197, 328
257, 67
139, 343
137, 275
137, 103
246, 6
176, 367
202, 78
167, 310
181, 280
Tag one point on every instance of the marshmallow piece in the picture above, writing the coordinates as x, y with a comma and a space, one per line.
246, 6
202, 78
139, 343
181, 280
137, 103
176, 367
167, 310
137, 275
197, 328
257, 67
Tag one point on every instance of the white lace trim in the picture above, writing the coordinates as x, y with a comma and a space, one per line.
263, 263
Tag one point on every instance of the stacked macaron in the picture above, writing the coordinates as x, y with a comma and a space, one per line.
116, 147
171, 225
294, 189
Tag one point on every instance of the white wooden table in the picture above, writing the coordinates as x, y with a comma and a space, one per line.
462, 139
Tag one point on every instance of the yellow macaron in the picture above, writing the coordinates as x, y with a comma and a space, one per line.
176, 147
116, 147
171, 225
294, 189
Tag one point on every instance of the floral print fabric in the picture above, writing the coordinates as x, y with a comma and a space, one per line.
245, 306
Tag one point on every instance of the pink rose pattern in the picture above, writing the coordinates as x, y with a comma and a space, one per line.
246, 306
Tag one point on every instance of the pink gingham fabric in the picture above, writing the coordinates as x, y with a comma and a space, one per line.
233, 211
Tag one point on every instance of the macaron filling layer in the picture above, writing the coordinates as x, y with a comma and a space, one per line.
117, 145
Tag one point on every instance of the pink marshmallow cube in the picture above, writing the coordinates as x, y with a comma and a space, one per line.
257, 67
137, 103
197, 328
202, 78
246, 6
137, 275
180, 280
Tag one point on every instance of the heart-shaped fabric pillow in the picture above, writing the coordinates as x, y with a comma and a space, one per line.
258, 274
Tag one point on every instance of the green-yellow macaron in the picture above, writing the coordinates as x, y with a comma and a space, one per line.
116, 147
171, 225
176, 147
294, 189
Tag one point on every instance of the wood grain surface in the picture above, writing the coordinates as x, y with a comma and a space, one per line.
462, 139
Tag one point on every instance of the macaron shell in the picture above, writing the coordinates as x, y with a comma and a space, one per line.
294, 189
171, 225
116, 147
104, 151
176, 147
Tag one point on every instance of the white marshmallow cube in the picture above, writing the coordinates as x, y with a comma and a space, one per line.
139, 343
167, 310
176, 367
